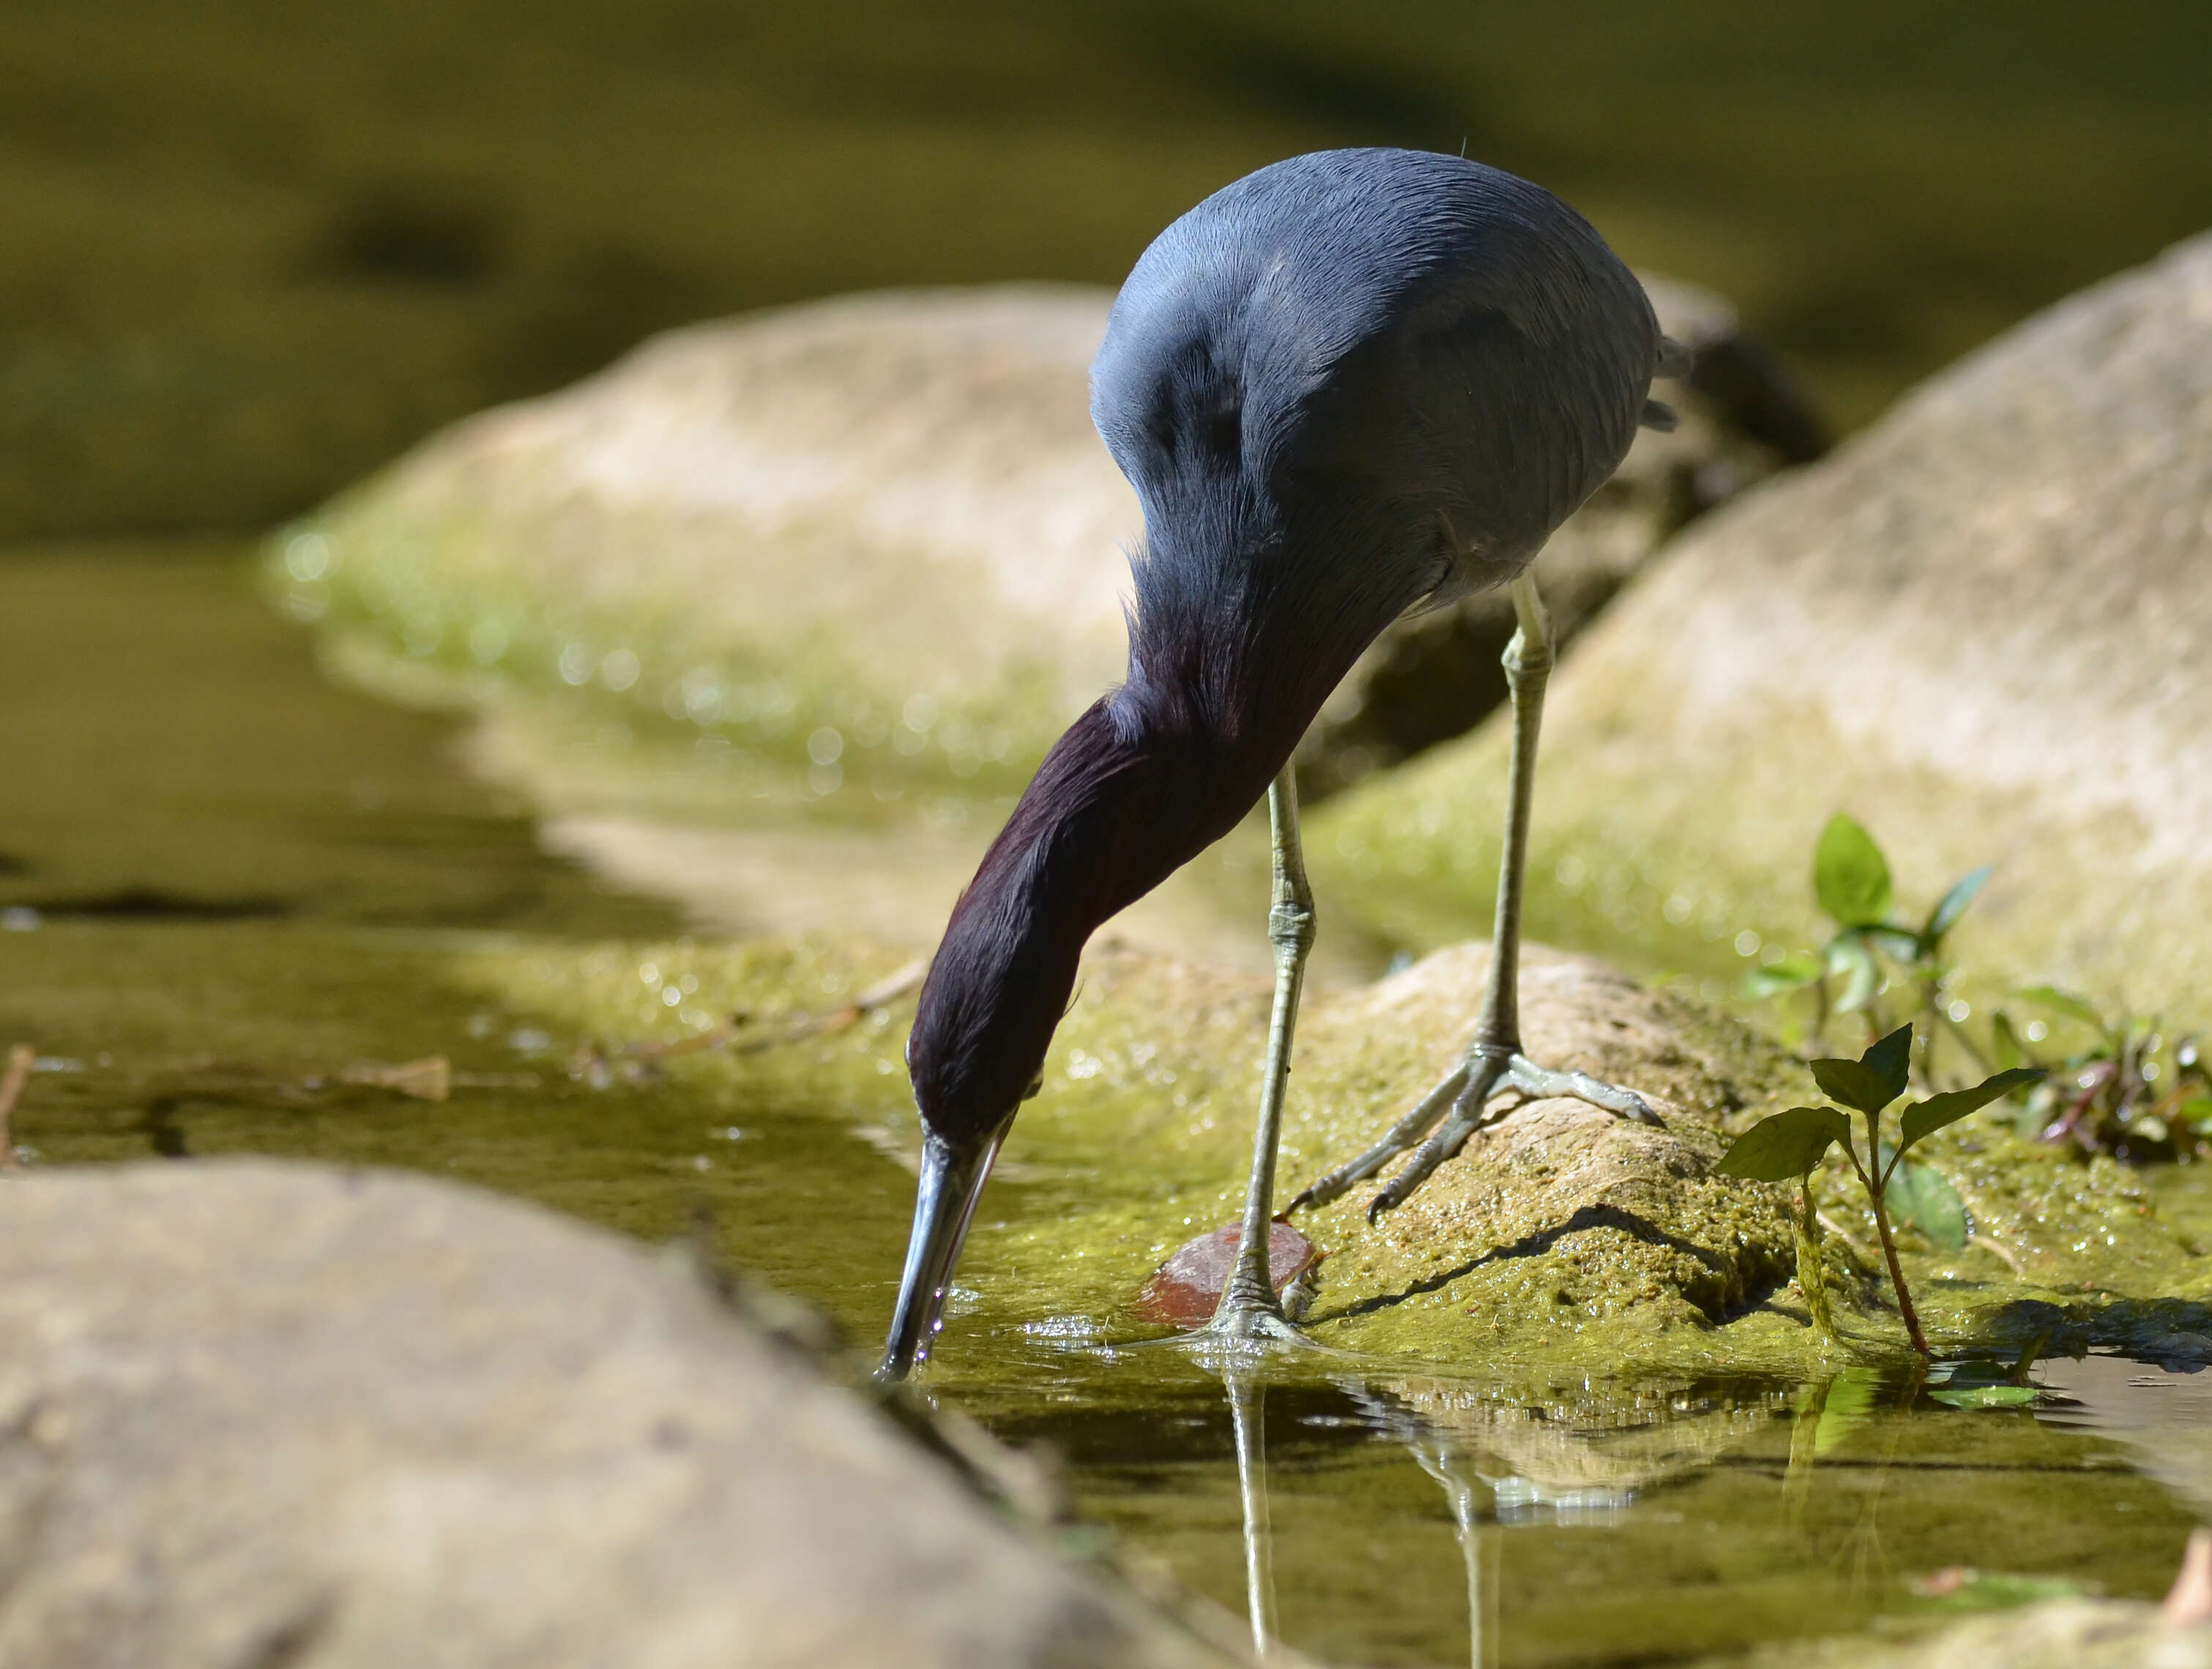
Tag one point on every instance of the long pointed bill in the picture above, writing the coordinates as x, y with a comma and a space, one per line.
953, 1181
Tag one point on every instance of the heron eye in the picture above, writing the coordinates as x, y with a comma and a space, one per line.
1037, 1087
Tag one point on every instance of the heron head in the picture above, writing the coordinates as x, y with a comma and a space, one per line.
987, 1013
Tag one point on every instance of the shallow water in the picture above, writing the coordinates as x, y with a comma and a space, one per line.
227, 881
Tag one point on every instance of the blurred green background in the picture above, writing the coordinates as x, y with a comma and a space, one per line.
250, 248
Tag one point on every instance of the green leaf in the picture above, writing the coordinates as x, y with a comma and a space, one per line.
1854, 1084
1851, 877
1921, 1195
1891, 1058
1987, 1395
1900, 942
1847, 954
1952, 905
1787, 1145
1790, 973
2010, 1051
2065, 1003
1926, 1117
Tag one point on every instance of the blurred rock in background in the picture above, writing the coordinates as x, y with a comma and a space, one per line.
878, 538
1980, 629
252, 252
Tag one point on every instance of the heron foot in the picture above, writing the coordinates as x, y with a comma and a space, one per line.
1244, 1334
1452, 1112
1252, 1322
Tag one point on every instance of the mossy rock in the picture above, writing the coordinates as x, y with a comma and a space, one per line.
1979, 628
1560, 1239
873, 547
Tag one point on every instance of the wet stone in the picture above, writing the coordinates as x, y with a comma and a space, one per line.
1186, 1289
1561, 1237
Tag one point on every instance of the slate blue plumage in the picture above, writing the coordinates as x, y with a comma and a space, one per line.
1348, 385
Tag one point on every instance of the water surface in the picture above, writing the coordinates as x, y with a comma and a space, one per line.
227, 881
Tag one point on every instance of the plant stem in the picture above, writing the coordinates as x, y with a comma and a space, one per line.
1896, 1279
1811, 1280
1877, 1184
1931, 987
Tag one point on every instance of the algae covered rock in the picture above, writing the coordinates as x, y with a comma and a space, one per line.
1561, 1240
260, 1414
875, 541
1561, 1219
1559, 1230
1980, 629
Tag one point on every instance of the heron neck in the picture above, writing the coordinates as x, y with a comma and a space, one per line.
1124, 798
1141, 783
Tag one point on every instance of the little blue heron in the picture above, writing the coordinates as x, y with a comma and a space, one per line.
1352, 384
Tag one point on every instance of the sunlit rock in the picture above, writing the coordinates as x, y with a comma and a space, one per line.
874, 544
1981, 629
1560, 1236
1561, 1239
263, 1414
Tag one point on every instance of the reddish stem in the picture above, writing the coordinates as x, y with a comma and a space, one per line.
1877, 1184
1896, 1279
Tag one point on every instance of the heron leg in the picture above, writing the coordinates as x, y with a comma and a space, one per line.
1452, 1113
1249, 1305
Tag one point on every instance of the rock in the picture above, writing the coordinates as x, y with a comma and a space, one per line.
261, 1414
1561, 1238
1980, 629
1186, 1289
1561, 1221
1559, 1230
875, 541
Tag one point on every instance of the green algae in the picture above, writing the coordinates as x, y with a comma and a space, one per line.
445, 610
1416, 854
1140, 1140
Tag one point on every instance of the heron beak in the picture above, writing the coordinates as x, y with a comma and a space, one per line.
952, 1179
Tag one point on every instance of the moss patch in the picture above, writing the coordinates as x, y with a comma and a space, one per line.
1560, 1236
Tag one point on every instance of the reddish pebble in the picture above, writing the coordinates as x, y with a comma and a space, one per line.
1186, 1289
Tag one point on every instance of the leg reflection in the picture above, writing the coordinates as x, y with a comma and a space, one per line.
1473, 1509
1247, 1410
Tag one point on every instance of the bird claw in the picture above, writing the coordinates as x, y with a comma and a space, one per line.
1539, 1083
1455, 1109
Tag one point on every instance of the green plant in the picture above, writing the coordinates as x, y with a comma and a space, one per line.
1790, 1144
2130, 1091
1851, 880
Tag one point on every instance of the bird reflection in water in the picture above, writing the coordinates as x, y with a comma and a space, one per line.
1505, 1459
